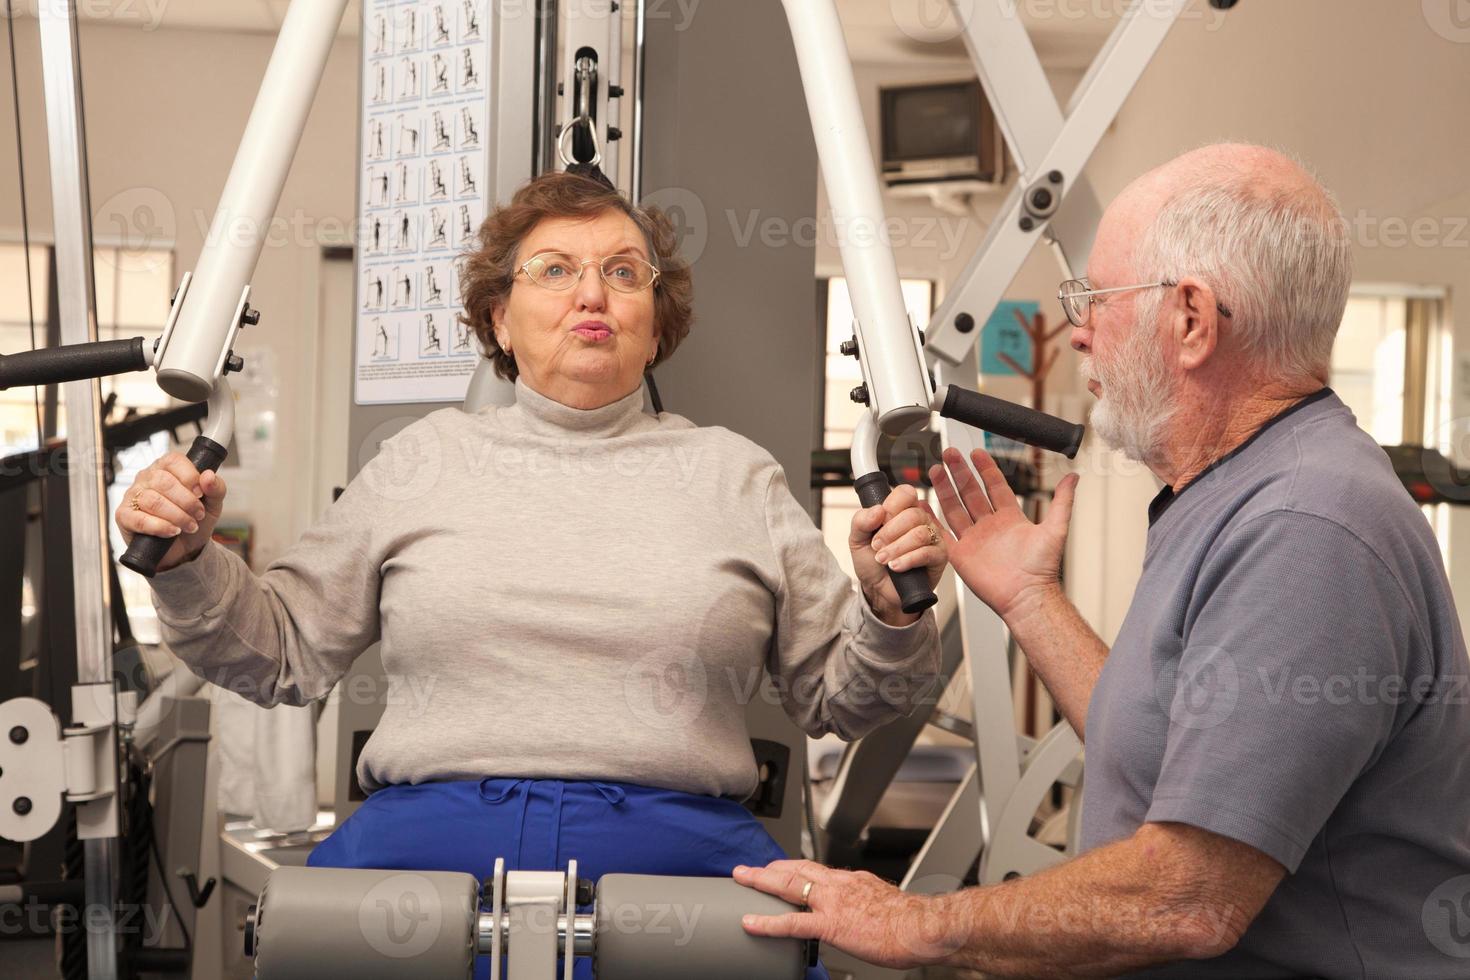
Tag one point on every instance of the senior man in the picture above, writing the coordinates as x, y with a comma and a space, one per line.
1278, 743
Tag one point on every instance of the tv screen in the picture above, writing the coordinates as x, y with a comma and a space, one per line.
923, 122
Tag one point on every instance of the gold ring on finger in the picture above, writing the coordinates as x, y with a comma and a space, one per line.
806, 894
135, 504
933, 535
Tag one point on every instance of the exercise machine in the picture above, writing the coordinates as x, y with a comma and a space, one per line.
908, 375
432, 924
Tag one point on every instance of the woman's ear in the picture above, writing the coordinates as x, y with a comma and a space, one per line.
497, 326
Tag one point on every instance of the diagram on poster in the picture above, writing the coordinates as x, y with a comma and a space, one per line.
421, 196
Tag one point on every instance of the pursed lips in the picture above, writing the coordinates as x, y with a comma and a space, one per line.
592, 330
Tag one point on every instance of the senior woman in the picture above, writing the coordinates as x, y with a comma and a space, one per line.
575, 598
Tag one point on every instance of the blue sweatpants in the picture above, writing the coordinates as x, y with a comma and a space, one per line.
540, 825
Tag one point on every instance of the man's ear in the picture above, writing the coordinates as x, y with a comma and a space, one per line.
1195, 323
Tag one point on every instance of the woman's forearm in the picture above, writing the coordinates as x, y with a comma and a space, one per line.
284, 637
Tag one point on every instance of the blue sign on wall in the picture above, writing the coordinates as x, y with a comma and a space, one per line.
1003, 333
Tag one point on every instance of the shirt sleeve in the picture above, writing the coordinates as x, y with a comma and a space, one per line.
1297, 650
288, 635
837, 666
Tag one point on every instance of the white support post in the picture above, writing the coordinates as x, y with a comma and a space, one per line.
192, 354
71, 204
898, 389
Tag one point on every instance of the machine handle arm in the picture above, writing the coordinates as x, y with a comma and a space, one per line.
1004, 418
147, 550
871, 484
208, 453
914, 594
74, 362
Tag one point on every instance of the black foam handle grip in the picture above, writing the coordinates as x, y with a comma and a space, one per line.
914, 594
147, 550
74, 362
1012, 421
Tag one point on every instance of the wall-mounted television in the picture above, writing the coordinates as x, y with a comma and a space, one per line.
939, 132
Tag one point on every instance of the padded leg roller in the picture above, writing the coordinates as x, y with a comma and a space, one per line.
658, 928
367, 925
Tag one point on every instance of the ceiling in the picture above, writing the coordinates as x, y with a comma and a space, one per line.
1066, 32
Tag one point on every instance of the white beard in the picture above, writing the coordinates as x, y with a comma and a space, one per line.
1137, 401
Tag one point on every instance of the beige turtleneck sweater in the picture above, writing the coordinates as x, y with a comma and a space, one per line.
559, 594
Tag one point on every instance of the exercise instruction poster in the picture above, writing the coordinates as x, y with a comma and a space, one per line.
421, 195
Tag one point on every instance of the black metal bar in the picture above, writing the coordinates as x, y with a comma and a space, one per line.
72, 362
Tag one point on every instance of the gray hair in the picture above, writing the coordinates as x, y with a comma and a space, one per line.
1278, 256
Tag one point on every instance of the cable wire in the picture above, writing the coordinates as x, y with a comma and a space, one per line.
25, 221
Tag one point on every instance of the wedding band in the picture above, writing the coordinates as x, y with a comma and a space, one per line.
934, 535
135, 502
806, 894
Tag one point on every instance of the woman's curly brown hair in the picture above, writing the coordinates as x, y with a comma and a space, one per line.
490, 270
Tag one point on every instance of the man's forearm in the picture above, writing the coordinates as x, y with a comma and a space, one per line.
1111, 911
1063, 650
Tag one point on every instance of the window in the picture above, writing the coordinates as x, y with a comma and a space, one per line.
1391, 366
840, 413
134, 287
17, 405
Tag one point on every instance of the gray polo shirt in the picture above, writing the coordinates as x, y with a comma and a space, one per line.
1291, 674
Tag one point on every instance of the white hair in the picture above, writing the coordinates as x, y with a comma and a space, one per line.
1277, 254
